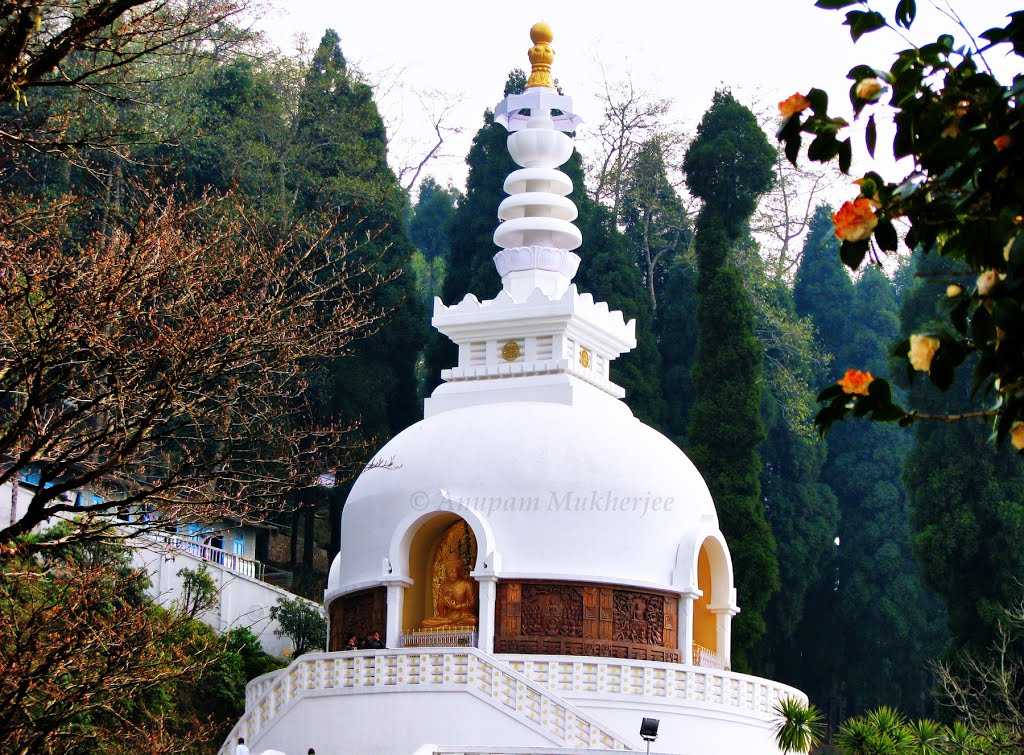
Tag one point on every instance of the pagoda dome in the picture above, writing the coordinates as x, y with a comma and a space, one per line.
551, 491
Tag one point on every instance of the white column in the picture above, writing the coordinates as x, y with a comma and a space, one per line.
684, 628
723, 634
396, 599
485, 624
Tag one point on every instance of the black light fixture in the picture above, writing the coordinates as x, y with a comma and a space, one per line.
649, 731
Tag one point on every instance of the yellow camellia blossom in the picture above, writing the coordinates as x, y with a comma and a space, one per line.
1017, 435
953, 290
856, 382
922, 351
987, 281
868, 89
795, 103
855, 220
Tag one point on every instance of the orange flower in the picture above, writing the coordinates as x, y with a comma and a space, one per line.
1017, 435
868, 89
1002, 142
795, 103
855, 220
856, 382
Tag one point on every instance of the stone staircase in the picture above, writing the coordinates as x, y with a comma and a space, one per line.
269, 697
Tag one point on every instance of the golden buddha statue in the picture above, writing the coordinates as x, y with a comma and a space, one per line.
452, 590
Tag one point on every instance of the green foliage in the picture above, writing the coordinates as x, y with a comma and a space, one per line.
799, 727
431, 218
869, 594
341, 167
470, 268
609, 273
886, 731
654, 219
967, 503
677, 341
729, 165
199, 592
963, 131
221, 692
302, 622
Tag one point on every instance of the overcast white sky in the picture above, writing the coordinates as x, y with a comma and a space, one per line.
683, 50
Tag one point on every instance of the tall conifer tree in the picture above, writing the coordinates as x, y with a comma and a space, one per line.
728, 166
966, 497
341, 171
870, 627
342, 168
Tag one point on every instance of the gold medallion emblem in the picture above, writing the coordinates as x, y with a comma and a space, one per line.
585, 359
510, 351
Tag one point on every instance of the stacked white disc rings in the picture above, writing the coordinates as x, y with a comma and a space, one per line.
538, 211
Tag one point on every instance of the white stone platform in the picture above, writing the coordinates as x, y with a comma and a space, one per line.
397, 702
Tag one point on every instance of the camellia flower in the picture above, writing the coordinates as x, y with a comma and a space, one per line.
953, 290
855, 220
868, 89
922, 351
795, 103
1002, 142
856, 382
987, 281
1017, 435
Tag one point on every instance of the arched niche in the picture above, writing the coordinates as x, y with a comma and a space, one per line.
704, 573
431, 547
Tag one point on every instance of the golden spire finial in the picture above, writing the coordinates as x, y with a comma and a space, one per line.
541, 56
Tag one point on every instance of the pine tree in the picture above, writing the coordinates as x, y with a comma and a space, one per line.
431, 219
870, 628
342, 168
728, 166
802, 510
966, 497
677, 344
340, 171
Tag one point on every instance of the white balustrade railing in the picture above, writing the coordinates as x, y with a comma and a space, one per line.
706, 657
407, 669
577, 678
248, 567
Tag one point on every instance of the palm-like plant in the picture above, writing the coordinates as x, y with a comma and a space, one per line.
856, 737
927, 737
800, 726
960, 740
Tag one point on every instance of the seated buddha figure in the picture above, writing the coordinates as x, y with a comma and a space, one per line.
454, 596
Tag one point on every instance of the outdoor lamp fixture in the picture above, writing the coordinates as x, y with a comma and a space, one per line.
649, 731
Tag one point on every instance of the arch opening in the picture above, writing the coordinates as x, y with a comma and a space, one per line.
715, 584
443, 597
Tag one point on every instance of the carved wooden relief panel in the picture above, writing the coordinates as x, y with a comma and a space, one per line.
576, 618
359, 614
552, 611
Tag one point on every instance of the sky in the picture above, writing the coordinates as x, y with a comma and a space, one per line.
425, 56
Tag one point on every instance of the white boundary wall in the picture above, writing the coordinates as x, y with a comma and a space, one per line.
244, 601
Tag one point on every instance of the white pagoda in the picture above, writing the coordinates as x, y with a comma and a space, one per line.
543, 570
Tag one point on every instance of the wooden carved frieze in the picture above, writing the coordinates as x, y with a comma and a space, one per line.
552, 610
639, 617
577, 618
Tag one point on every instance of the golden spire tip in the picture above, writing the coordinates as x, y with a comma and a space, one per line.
541, 56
